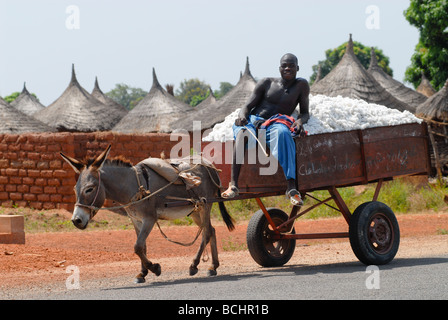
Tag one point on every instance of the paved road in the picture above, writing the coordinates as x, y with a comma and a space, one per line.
405, 278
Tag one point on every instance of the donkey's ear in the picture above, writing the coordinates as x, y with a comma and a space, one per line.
99, 161
75, 164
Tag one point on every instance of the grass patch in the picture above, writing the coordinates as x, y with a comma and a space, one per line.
229, 244
401, 195
60, 220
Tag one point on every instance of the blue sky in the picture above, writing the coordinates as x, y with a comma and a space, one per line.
121, 41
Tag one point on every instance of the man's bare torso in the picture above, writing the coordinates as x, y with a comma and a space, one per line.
276, 98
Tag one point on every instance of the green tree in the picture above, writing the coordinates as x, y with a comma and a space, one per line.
126, 96
195, 100
224, 87
190, 88
362, 52
430, 17
13, 96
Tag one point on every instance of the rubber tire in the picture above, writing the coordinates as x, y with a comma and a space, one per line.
363, 234
265, 252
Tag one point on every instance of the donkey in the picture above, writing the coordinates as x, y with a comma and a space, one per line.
118, 180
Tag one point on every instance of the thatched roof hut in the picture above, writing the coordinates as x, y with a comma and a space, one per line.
436, 107
76, 110
13, 121
100, 96
210, 100
215, 113
394, 87
318, 76
158, 111
425, 87
350, 79
27, 103
186, 123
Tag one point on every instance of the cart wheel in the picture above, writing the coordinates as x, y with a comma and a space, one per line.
263, 249
374, 233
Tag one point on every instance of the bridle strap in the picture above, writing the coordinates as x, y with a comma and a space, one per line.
92, 208
98, 189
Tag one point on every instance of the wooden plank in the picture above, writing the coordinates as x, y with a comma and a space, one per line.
341, 159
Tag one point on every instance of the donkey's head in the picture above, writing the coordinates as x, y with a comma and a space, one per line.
89, 189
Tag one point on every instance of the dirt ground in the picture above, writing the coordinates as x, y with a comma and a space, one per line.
44, 259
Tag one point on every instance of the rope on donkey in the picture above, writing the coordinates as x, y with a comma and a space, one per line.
177, 242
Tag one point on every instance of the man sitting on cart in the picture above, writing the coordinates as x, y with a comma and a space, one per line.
271, 107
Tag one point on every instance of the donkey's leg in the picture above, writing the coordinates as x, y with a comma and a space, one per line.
140, 278
215, 260
212, 239
208, 233
205, 238
140, 250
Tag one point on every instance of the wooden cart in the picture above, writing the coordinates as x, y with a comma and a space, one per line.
328, 162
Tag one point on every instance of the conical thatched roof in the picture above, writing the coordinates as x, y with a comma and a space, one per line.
234, 99
27, 103
158, 111
318, 75
13, 121
436, 107
210, 100
186, 123
77, 110
350, 79
425, 87
100, 96
394, 87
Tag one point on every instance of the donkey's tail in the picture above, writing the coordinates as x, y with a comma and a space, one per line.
226, 216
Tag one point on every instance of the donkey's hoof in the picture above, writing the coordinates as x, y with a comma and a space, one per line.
212, 272
193, 270
156, 269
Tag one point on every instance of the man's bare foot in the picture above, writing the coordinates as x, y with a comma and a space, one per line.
294, 197
231, 192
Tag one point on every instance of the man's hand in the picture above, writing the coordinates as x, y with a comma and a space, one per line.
241, 122
298, 128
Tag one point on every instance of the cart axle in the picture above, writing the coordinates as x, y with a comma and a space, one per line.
311, 236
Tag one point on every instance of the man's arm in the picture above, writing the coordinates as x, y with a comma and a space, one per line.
304, 105
254, 100
304, 110
304, 102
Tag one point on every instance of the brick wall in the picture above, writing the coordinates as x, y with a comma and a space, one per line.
32, 173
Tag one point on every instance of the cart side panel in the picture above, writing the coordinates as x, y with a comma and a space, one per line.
262, 178
395, 151
335, 159
256, 177
330, 159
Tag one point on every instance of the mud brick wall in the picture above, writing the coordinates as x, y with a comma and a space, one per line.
32, 173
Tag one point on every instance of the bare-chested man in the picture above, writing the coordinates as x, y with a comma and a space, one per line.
276, 98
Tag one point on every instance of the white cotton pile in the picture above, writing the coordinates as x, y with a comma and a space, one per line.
223, 131
331, 114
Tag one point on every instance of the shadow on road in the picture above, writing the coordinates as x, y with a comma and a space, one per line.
333, 268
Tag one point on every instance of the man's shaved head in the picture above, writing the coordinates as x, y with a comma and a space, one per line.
289, 57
